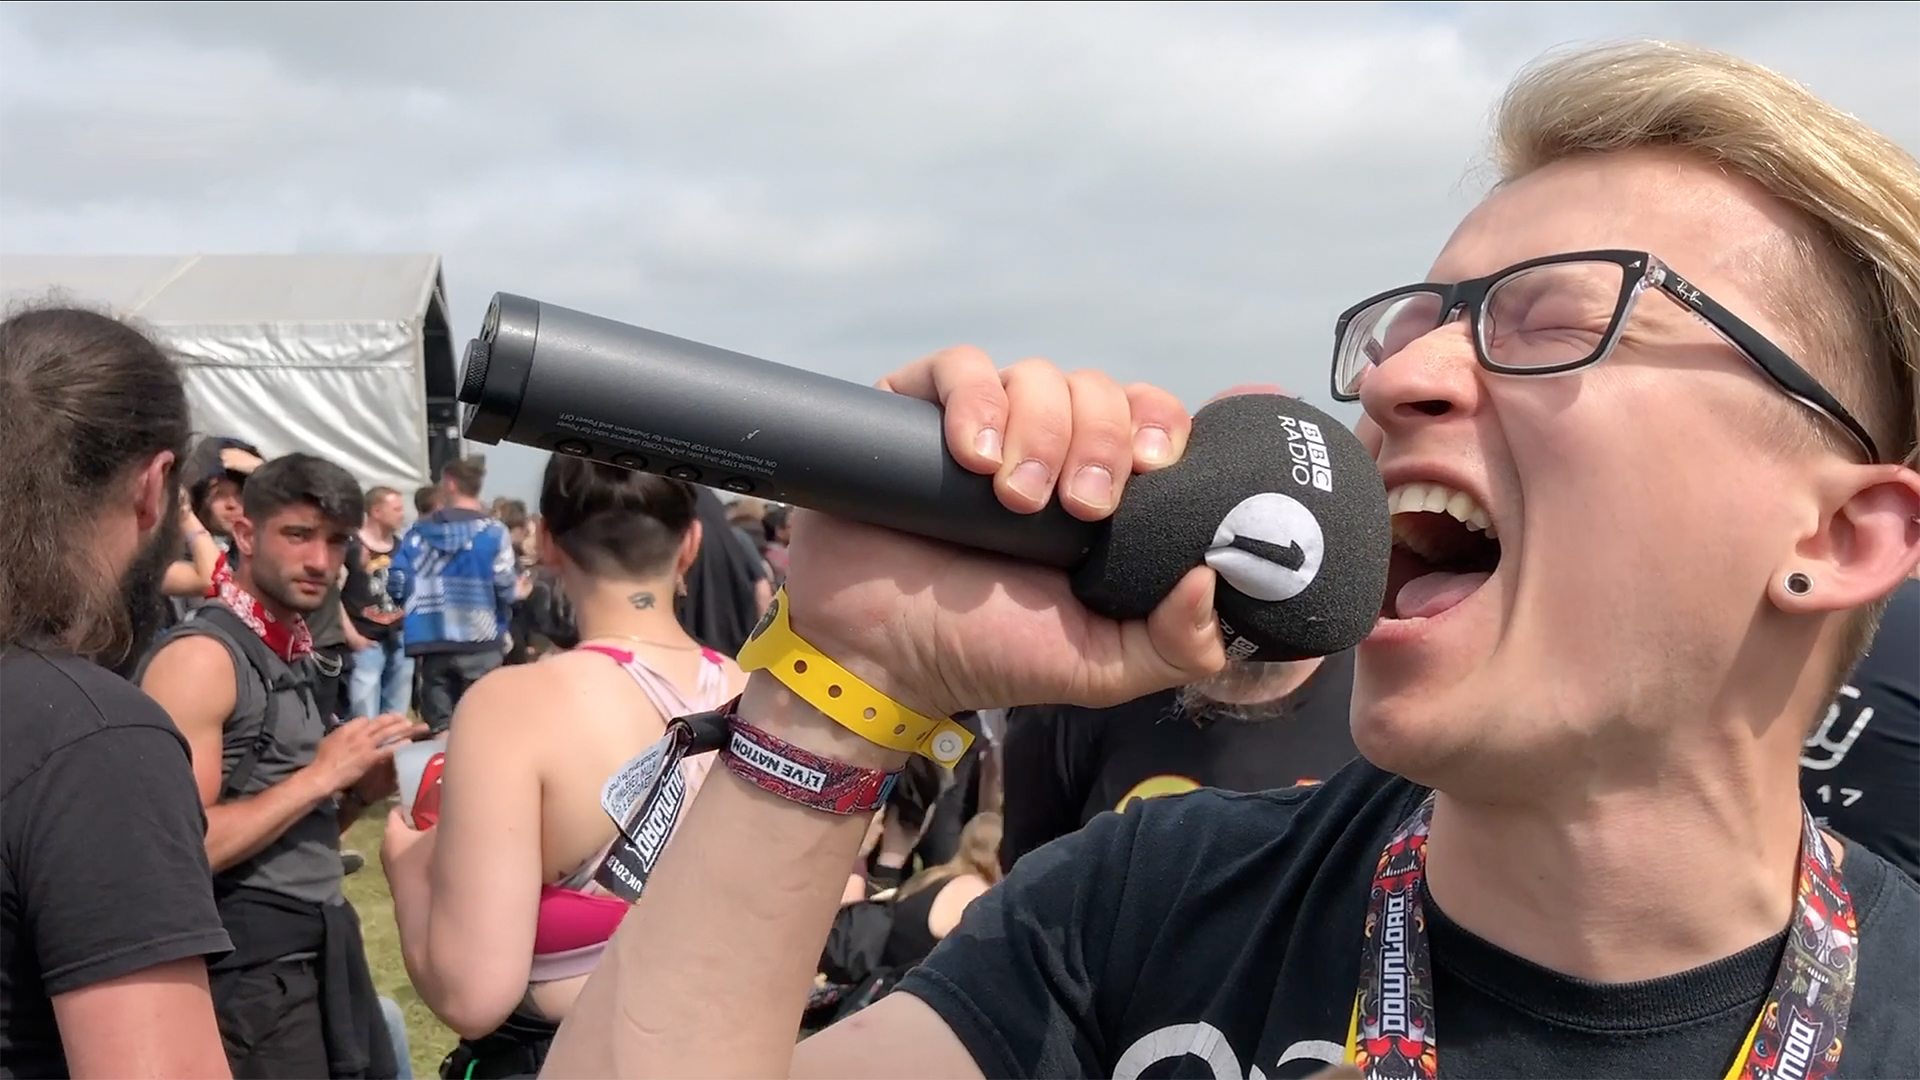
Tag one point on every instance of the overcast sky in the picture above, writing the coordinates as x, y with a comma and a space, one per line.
1186, 194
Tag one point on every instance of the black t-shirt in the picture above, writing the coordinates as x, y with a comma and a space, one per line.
374, 613
1860, 771
103, 864
719, 609
1216, 934
325, 624
1063, 765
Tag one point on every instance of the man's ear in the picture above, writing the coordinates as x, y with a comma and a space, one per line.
243, 535
1867, 543
150, 502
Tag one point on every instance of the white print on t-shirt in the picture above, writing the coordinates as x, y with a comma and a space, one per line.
1204, 1041
1826, 792
1821, 751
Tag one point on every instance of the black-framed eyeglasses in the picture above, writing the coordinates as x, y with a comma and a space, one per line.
1557, 314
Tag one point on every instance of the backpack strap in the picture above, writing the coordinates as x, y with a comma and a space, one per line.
248, 653
289, 678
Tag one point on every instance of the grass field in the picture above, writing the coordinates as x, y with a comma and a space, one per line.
427, 1037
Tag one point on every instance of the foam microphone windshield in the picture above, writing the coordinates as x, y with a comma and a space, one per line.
1283, 503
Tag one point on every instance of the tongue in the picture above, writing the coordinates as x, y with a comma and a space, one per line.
1430, 594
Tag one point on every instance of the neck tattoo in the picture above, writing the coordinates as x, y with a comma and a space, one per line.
641, 600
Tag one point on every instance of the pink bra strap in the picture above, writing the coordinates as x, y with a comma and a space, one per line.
708, 694
664, 694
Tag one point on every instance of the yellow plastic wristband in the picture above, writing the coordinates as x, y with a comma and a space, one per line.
844, 698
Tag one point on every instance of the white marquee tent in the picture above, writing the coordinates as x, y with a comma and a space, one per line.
345, 356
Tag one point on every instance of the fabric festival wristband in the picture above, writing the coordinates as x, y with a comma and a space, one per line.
802, 776
843, 698
645, 799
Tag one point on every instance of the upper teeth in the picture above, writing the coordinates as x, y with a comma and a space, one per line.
1423, 497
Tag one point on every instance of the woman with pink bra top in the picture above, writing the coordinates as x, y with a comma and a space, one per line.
499, 914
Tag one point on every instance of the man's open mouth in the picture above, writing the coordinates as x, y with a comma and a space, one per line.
1445, 546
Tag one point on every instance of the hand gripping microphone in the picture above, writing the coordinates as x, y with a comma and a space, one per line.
1279, 498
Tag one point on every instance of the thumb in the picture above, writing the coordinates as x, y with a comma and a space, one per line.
1179, 642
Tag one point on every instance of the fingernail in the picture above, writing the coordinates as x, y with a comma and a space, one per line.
987, 444
1152, 445
1030, 478
1093, 485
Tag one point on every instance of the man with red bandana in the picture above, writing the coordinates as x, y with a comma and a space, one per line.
294, 998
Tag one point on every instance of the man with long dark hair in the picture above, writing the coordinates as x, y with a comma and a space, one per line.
106, 904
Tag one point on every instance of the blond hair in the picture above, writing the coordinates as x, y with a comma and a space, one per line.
1851, 296
979, 854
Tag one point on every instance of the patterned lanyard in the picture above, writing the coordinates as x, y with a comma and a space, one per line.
1797, 1035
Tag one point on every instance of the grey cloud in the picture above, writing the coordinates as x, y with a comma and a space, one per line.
1181, 193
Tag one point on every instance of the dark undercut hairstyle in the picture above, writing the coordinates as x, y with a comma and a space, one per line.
303, 479
613, 521
85, 400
